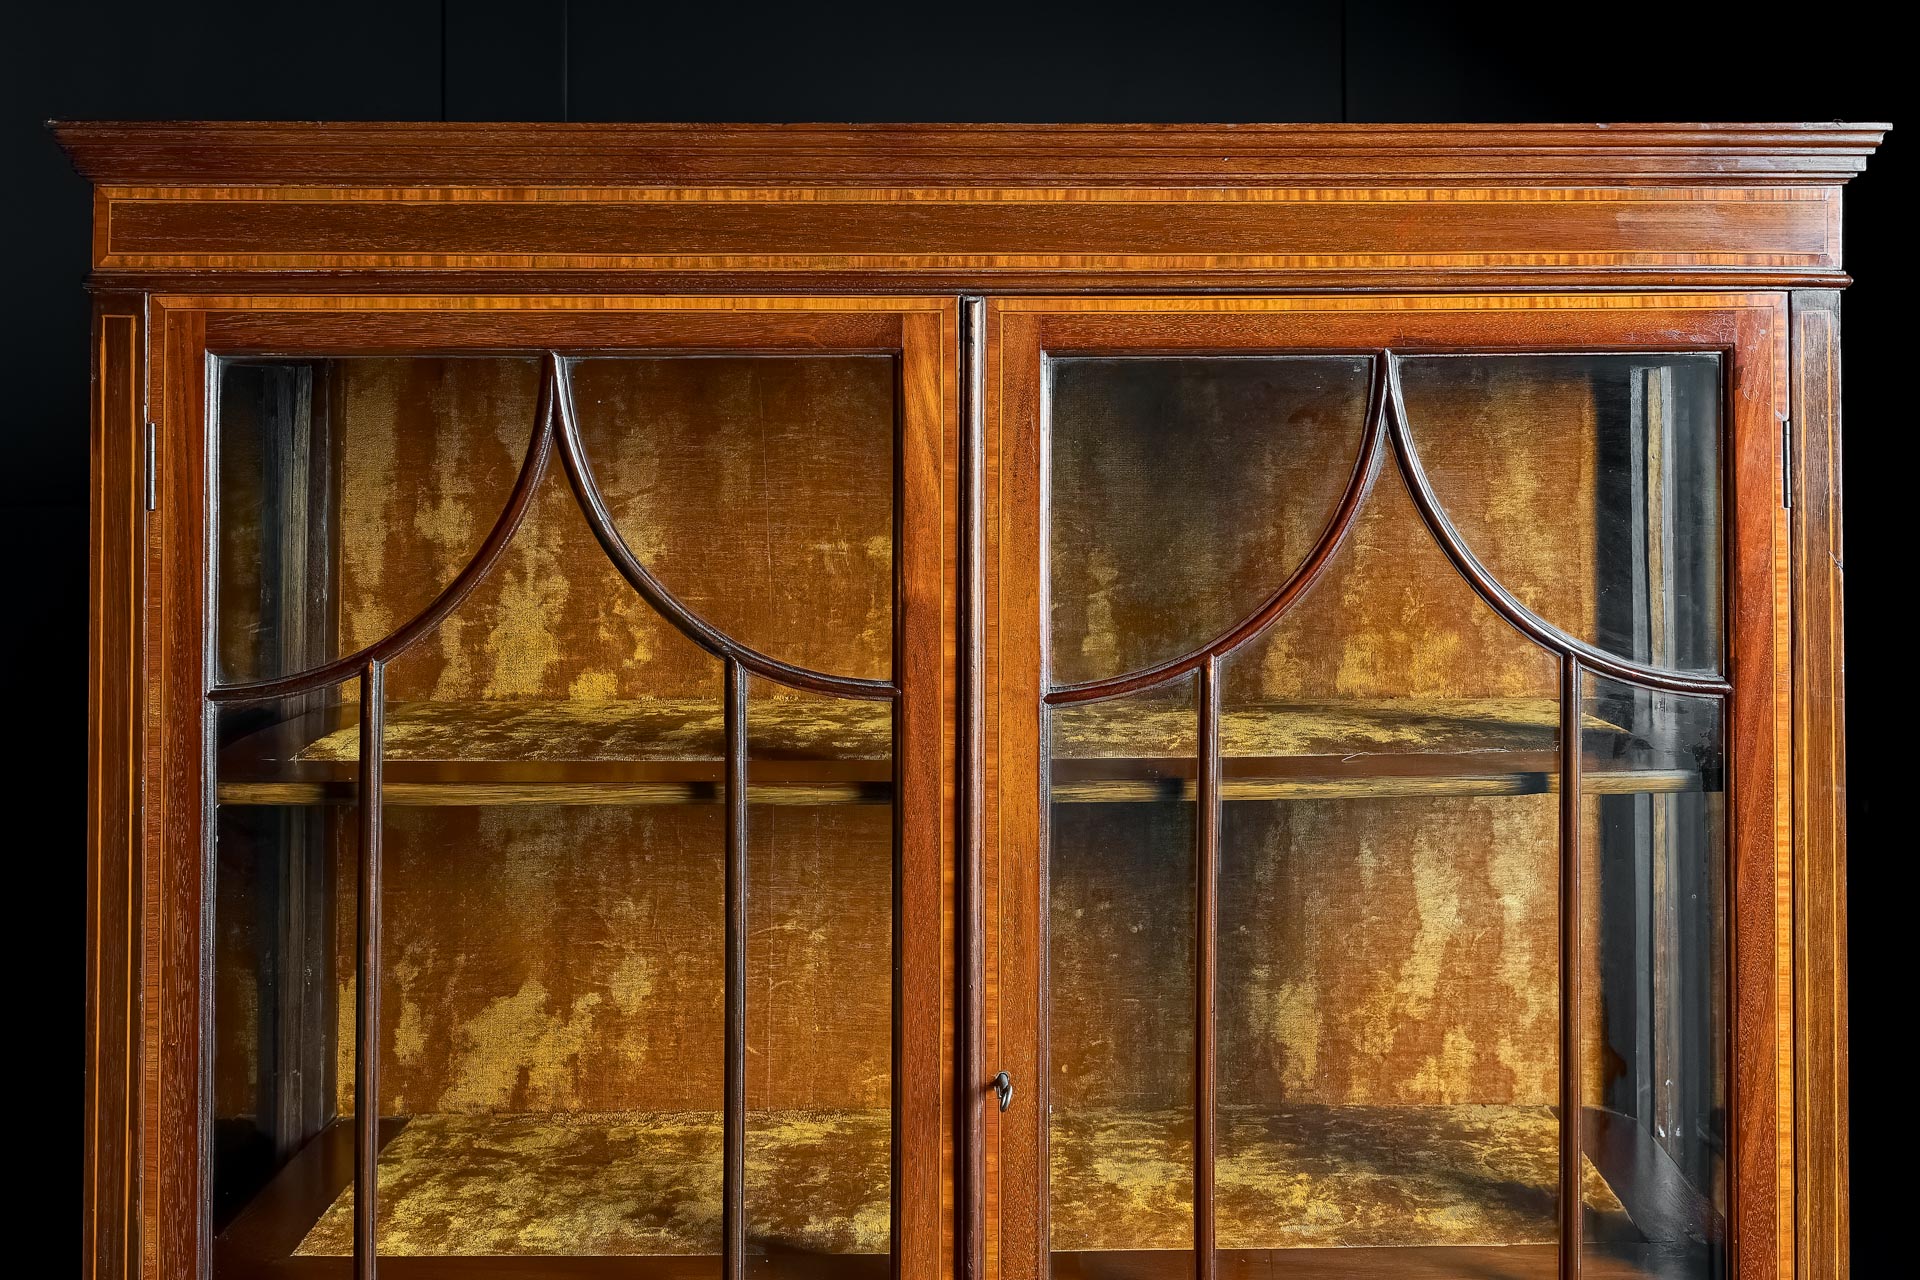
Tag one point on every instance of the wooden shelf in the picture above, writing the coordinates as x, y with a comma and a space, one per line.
824, 751
634, 752
1333, 1191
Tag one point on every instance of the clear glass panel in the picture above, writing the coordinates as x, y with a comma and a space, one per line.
551, 1014
759, 490
819, 978
350, 492
284, 925
1653, 823
1121, 911
1589, 486
1184, 491
1388, 1037
551, 1034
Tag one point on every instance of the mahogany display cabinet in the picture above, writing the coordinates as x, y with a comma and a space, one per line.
980, 702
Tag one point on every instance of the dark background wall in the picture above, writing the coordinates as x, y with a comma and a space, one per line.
1320, 60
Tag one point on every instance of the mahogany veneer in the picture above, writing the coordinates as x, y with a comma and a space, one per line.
1425, 707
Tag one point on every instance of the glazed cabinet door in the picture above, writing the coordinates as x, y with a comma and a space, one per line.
1382, 826
559, 818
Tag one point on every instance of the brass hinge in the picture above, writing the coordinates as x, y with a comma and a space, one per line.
153, 466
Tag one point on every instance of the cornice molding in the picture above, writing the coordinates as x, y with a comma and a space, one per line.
194, 154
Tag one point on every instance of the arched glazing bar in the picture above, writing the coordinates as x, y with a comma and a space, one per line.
555, 425
398, 641
1387, 429
1497, 597
573, 457
1366, 469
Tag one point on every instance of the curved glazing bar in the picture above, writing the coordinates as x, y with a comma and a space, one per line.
1366, 468
555, 422
1589, 485
1497, 597
346, 492
519, 500
600, 519
759, 488
1387, 426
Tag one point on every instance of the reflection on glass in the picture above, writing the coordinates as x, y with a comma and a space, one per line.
1121, 892
349, 492
1655, 1115
819, 964
759, 490
284, 921
1589, 486
1182, 492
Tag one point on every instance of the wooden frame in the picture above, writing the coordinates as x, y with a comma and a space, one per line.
924, 332
395, 237
1751, 333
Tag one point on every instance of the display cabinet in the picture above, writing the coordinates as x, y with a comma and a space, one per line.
681, 701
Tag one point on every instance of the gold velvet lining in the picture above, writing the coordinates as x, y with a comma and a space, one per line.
1313, 1177
819, 728
621, 1184
817, 1181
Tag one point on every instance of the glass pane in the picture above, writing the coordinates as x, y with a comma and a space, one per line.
350, 492
1121, 893
819, 978
551, 1029
1182, 492
1388, 983
759, 490
1624, 451
551, 1044
284, 926
1655, 1066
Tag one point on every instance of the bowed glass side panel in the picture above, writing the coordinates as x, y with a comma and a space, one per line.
1654, 1084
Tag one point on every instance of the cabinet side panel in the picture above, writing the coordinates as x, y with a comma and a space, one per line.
1819, 801
118, 527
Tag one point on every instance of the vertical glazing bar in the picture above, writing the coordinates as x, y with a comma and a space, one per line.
366, 1022
1570, 1110
972, 697
1206, 825
733, 1216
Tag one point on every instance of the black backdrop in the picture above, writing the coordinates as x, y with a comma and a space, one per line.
1309, 60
